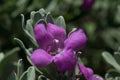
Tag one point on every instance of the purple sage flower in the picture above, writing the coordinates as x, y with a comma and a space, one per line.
55, 47
87, 72
87, 4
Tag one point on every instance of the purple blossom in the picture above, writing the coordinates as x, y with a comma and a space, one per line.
87, 4
87, 72
55, 47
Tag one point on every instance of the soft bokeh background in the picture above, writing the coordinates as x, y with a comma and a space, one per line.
101, 22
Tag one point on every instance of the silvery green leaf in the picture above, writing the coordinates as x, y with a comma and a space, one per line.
41, 21
23, 21
73, 30
19, 68
35, 17
41, 76
32, 16
110, 59
49, 18
31, 73
117, 57
29, 27
61, 22
4, 64
23, 76
31, 38
20, 42
1, 56
112, 74
22, 45
42, 12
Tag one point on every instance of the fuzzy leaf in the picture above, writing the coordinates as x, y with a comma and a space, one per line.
22, 45
5, 63
61, 22
1, 56
110, 59
19, 68
42, 12
23, 76
117, 57
49, 18
31, 73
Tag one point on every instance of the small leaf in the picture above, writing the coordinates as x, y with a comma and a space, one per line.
23, 20
42, 12
20, 42
23, 76
112, 74
61, 22
37, 17
117, 57
22, 45
29, 27
1, 56
19, 68
110, 59
31, 73
49, 18
42, 76
5, 63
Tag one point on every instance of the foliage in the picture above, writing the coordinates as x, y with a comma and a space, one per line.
101, 24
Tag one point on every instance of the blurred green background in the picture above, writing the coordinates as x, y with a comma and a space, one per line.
101, 22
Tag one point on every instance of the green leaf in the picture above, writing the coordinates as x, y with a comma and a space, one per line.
1, 56
110, 59
22, 45
112, 74
61, 22
42, 76
5, 63
31, 73
49, 18
19, 68
23, 76
35, 17
29, 27
42, 12
117, 57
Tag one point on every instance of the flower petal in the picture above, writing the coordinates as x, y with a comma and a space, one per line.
87, 72
40, 58
58, 32
66, 60
43, 38
76, 40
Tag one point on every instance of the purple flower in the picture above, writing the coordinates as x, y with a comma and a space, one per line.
55, 47
87, 72
87, 4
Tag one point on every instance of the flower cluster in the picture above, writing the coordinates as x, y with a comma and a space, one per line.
56, 47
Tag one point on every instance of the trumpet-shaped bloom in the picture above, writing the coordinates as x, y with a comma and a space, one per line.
87, 72
55, 47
